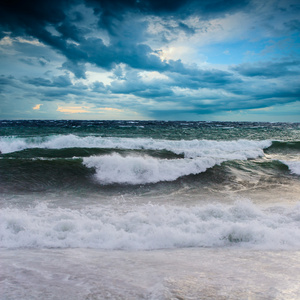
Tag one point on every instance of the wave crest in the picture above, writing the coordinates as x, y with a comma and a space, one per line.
141, 170
190, 148
294, 166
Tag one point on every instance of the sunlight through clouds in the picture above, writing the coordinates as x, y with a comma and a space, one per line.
73, 109
37, 107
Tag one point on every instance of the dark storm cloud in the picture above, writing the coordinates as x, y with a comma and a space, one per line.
99, 87
137, 87
280, 94
111, 9
69, 31
269, 69
138, 56
8, 81
117, 39
36, 12
78, 69
57, 81
33, 18
52, 89
27, 61
43, 61
198, 78
293, 25
176, 76
57, 93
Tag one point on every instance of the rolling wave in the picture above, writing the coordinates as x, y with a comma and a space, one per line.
70, 159
129, 161
141, 170
284, 147
189, 148
105, 171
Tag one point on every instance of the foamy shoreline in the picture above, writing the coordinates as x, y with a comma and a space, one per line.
194, 273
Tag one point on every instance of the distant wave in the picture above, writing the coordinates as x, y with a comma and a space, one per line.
152, 227
189, 148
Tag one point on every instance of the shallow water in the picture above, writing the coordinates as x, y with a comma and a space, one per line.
201, 273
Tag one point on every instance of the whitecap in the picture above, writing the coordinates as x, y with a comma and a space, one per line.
294, 166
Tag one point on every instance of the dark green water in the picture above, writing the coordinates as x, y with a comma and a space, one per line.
138, 156
155, 129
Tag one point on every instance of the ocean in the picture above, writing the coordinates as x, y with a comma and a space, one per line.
149, 210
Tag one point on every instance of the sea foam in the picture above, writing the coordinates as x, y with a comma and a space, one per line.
152, 227
189, 148
199, 156
115, 168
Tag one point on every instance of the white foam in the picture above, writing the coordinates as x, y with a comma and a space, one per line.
140, 170
199, 155
152, 227
12, 144
189, 148
294, 166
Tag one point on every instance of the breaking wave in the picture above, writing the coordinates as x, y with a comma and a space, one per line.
116, 160
294, 166
189, 148
140, 170
152, 227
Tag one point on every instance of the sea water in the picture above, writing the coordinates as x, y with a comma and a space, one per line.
149, 210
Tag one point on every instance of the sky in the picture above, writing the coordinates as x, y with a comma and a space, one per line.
201, 60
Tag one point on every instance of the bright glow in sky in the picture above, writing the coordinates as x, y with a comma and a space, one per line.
166, 60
